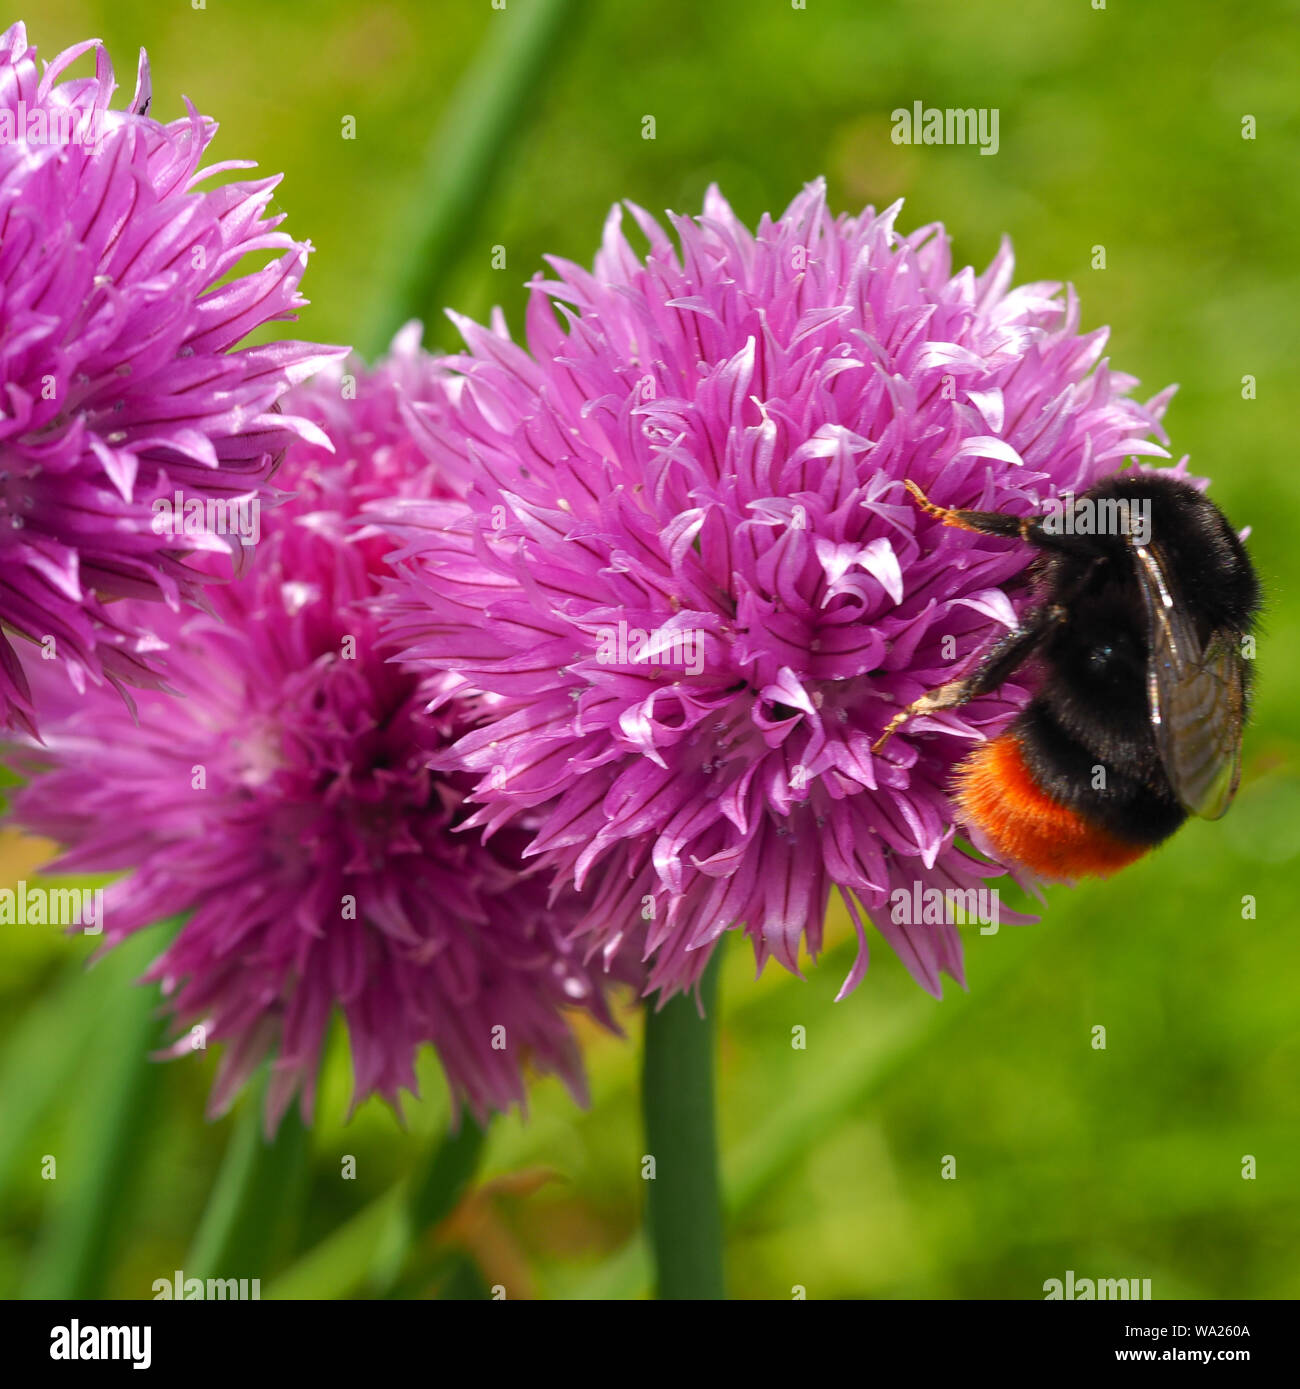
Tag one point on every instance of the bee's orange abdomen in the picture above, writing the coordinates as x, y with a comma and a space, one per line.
997, 791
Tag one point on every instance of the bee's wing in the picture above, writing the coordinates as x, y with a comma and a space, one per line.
1196, 696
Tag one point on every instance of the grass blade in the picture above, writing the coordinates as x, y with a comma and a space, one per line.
466, 154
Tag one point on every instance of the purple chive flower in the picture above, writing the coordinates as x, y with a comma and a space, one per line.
696, 587
285, 802
121, 382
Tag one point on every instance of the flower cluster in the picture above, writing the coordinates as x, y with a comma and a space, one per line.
123, 382
546, 664
284, 802
696, 589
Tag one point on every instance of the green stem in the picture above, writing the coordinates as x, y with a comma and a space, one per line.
683, 1206
94, 1175
257, 1183
453, 1168
466, 154
403, 1264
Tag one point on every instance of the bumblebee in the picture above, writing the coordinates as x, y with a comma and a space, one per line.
1141, 633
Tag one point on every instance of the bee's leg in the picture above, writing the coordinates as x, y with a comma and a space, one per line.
1035, 530
986, 522
997, 665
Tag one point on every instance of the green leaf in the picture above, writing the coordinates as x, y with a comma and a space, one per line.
337, 1266
90, 1193
376, 1251
460, 169
402, 1262
40, 1059
256, 1185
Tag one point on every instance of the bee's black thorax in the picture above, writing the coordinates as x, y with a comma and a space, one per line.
1087, 736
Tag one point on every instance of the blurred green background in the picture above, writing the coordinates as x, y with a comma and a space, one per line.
1119, 127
